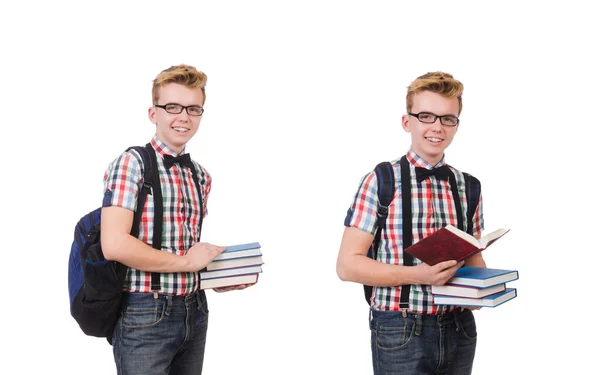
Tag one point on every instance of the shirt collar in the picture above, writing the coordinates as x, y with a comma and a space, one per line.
162, 148
418, 161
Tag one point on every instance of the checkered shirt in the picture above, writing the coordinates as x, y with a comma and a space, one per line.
181, 212
432, 209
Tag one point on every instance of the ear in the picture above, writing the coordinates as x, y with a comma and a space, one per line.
152, 115
405, 124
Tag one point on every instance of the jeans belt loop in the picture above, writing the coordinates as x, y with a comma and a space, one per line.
456, 320
169, 299
198, 299
418, 323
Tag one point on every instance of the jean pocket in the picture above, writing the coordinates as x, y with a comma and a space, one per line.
468, 328
143, 314
394, 335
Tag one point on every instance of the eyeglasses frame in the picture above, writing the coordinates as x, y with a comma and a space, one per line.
416, 115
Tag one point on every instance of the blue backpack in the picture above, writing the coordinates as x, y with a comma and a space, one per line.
96, 284
386, 187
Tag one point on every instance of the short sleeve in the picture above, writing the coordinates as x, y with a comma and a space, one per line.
362, 213
122, 181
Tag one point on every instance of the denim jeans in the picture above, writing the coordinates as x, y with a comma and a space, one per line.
423, 344
162, 336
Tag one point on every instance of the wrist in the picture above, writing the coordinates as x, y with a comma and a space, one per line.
409, 275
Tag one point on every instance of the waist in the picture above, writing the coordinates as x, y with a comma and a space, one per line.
143, 296
177, 283
440, 318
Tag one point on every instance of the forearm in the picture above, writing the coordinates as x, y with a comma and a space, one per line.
364, 270
119, 245
476, 261
134, 253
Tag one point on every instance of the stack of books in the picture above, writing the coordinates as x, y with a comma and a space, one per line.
470, 286
237, 265
474, 286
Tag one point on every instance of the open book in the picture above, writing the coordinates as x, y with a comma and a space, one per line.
450, 243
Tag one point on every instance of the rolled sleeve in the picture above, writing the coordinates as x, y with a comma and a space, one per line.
121, 181
362, 214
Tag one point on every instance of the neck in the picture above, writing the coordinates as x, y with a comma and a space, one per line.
433, 160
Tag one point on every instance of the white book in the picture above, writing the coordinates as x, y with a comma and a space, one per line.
234, 263
466, 291
488, 301
228, 281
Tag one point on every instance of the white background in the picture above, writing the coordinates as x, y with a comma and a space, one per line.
303, 99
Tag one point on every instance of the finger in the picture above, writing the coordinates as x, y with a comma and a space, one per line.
445, 265
220, 249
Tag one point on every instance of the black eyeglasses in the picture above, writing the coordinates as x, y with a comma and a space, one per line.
175, 109
430, 118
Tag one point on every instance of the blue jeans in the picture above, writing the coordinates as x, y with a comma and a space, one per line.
163, 336
423, 344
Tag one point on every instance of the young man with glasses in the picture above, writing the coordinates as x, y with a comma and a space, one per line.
409, 334
162, 332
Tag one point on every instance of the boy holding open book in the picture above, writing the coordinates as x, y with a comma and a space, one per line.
409, 333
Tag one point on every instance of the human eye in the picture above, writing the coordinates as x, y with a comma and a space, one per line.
195, 110
426, 117
173, 108
449, 120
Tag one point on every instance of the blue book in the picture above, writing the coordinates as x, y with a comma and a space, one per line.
240, 251
492, 300
482, 277
206, 275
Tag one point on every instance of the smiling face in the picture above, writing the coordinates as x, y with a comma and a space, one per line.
430, 141
175, 130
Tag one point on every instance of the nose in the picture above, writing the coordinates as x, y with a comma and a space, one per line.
183, 116
437, 124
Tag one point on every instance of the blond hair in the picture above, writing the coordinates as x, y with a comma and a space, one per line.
437, 82
182, 74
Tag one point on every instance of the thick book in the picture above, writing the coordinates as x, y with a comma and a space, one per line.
206, 275
482, 277
450, 243
466, 291
240, 251
228, 281
488, 301
234, 263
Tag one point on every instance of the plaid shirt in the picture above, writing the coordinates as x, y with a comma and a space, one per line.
432, 209
181, 212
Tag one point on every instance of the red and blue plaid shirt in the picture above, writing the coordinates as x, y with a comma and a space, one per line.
181, 212
432, 209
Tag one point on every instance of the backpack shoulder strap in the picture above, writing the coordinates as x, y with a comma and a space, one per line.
473, 191
386, 187
151, 186
146, 187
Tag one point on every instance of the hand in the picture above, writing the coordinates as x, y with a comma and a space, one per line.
201, 254
230, 288
438, 274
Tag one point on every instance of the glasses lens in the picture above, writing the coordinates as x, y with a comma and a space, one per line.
173, 108
427, 118
195, 110
449, 120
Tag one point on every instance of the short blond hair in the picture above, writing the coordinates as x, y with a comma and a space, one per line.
182, 74
437, 82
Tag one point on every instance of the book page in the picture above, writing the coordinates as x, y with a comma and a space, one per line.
491, 237
464, 235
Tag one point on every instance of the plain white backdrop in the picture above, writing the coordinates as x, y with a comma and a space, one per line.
303, 99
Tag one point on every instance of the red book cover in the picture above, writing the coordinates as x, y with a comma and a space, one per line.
450, 243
